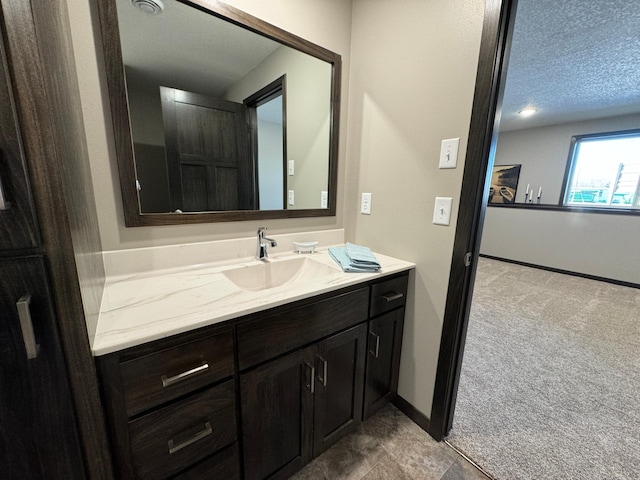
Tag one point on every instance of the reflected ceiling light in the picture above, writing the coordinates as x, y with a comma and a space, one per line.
527, 111
152, 7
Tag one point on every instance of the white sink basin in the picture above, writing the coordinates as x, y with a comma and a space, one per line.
275, 273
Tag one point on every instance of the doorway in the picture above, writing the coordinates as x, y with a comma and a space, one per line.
487, 110
266, 111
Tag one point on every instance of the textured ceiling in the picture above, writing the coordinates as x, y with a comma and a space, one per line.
184, 48
573, 60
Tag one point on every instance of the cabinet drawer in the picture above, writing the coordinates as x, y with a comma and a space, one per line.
173, 438
158, 377
276, 334
388, 295
223, 465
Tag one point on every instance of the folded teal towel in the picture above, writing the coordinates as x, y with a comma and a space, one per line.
341, 258
361, 256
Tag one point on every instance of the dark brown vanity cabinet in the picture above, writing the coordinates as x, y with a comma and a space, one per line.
297, 406
172, 407
261, 394
38, 432
38, 437
18, 227
383, 360
384, 343
301, 381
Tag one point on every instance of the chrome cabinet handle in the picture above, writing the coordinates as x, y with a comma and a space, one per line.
198, 436
391, 296
325, 371
3, 203
166, 381
26, 325
375, 352
311, 384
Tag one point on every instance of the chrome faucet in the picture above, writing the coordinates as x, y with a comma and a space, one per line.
261, 251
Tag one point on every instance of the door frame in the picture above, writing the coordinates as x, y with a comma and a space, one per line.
485, 116
277, 88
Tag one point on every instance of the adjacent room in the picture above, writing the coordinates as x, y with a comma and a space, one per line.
549, 382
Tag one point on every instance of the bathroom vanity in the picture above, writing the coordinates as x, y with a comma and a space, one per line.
254, 394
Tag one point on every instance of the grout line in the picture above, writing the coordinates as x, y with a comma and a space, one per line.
386, 454
463, 455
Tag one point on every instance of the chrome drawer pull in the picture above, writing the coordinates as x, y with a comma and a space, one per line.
166, 381
26, 325
198, 436
312, 384
375, 352
3, 203
325, 371
391, 296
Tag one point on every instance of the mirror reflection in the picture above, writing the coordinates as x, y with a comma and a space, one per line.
223, 119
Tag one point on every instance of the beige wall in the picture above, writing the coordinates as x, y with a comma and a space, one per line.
325, 22
413, 67
565, 240
308, 105
408, 77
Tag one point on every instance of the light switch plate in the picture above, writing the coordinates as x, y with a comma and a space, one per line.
291, 197
291, 168
442, 211
324, 199
449, 153
365, 205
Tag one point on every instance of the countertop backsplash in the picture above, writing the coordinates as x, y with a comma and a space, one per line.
168, 257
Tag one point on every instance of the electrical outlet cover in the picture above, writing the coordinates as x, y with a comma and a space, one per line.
324, 199
365, 204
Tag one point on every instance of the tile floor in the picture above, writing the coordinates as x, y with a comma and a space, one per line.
389, 446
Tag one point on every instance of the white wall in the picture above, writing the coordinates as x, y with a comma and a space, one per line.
413, 69
603, 245
324, 22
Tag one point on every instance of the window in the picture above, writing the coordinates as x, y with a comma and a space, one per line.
604, 171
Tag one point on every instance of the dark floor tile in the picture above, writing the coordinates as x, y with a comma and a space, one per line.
419, 456
387, 469
350, 459
463, 470
389, 446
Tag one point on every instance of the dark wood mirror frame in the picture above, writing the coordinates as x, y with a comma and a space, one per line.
114, 66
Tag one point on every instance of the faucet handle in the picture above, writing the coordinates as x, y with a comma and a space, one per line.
261, 231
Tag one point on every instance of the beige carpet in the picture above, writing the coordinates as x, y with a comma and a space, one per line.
550, 382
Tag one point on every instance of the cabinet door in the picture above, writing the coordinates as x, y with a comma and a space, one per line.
17, 215
277, 409
339, 369
383, 360
38, 437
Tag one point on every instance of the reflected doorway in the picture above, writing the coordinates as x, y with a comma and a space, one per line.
267, 124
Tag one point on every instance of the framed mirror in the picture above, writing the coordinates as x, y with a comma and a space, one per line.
218, 116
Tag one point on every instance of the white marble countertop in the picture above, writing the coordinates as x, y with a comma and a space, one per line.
139, 308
